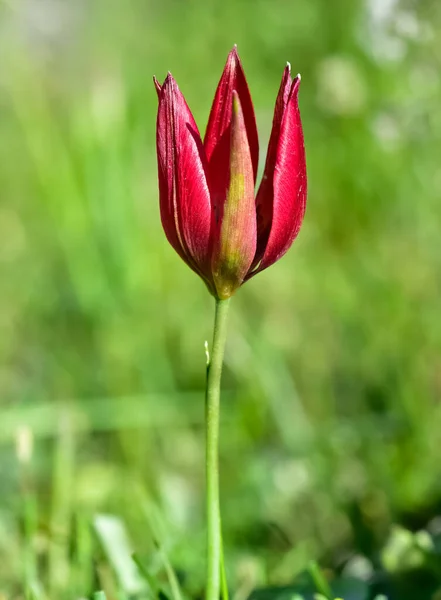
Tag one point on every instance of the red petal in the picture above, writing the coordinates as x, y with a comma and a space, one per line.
183, 189
217, 137
235, 235
264, 199
285, 186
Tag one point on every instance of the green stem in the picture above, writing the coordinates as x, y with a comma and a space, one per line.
214, 372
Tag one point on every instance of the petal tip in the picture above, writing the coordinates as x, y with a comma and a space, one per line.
296, 84
157, 85
169, 81
233, 55
288, 66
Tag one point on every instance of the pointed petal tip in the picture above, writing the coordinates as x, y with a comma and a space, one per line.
286, 77
296, 84
233, 55
157, 85
169, 80
232, 78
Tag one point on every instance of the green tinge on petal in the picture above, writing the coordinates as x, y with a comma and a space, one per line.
235, 244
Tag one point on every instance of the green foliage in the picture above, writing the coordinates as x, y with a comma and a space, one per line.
330, 417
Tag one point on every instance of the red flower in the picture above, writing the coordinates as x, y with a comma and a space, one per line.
206, 190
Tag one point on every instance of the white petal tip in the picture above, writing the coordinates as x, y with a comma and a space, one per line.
299, 77
288, 64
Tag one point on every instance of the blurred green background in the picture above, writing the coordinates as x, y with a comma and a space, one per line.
331, 416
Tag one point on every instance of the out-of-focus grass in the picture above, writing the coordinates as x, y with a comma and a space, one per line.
331, 416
